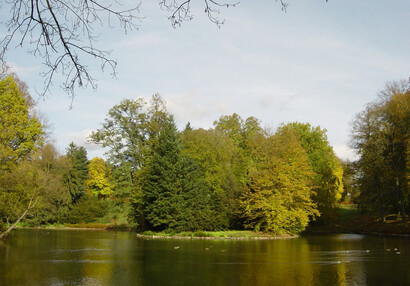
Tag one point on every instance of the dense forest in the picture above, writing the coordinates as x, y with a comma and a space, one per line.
236, 175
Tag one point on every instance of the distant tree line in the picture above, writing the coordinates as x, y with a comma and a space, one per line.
233, 176
236, 175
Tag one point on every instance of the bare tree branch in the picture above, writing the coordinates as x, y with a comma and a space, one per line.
181, 11
62, 32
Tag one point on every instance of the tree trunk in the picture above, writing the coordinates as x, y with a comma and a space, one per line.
382, 212
403, 214
402, 206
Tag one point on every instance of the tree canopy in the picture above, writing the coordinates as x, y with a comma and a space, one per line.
279, 194
21, 131
328, 170
380, 135
233, 176
98, 183
21, 135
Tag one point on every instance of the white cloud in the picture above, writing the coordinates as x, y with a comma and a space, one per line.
191, 107
345, 152
23, 71
82, 139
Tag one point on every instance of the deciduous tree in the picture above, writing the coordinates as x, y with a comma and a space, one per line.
98, 183
216, 155
381, 138
21, 134
53, 194
21, 131
279, 194
327, 167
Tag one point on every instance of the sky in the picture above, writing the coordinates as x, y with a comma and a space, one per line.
319, 63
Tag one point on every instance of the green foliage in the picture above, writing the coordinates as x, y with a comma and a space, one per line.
53, 194
121, 176
232, 127
17, 189
130, 129
351, 190
278, 198
231, 177
117, 213
327, 167
21, 131
21, 134
98, 184
75, 178
172, 193
86, 210
381, 138
200, 211
217, 156
245, 136
161, 194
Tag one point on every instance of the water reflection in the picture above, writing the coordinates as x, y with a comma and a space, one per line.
44, 257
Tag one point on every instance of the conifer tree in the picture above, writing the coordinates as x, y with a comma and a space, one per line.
161, 194
172, 192
76, 177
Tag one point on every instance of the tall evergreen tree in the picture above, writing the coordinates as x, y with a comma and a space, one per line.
163, 203
201, 212
75, 178
172, 193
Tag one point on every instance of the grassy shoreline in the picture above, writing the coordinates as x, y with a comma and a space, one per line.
352, 220
230, 234
81, 226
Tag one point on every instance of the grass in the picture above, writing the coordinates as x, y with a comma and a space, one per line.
95, 225
87, 225
348, 212
350, 219
230, 234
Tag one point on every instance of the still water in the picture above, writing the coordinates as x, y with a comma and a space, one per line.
78, 257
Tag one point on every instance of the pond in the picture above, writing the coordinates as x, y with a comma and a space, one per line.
87, 257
